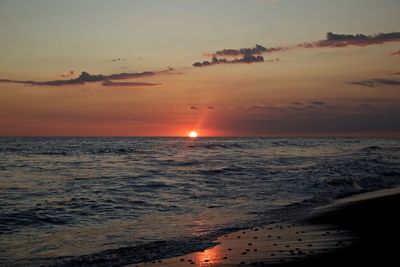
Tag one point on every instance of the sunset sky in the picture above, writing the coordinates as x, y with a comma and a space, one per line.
219, 67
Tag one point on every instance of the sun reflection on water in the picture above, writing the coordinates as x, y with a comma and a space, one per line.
208, 257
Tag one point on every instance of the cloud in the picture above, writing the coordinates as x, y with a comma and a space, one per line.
90, 78
234, 56
200, 107
396, 53
68, 74
117, 59
258, 49
344, 40
376, 82
332, 40
274, 60
306, 106
129, 84
318, 103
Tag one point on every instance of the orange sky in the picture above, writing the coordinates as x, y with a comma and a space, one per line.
350, 90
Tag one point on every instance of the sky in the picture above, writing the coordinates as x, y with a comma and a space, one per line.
218, 67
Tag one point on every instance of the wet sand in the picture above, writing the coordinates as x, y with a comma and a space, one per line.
359, 231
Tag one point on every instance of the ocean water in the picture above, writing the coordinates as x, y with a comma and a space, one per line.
112, 201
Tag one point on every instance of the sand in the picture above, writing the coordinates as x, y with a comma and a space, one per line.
360, 231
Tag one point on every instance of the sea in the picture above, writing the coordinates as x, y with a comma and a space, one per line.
114, 201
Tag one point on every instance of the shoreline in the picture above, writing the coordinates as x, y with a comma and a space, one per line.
361, 230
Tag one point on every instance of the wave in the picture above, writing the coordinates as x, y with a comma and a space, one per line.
11, 222
216, 146
120, 256
229, 169
152, 251
156, 250
377, 149
124, 181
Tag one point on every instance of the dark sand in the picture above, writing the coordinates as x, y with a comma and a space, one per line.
357, 231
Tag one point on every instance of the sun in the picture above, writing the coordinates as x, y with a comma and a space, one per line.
193, 134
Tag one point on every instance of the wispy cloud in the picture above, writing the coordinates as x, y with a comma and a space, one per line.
376, 82
318, 103
128, 84
200, 107
69, 74
117, 59
344, 40
396, 53
307, 106
85, 77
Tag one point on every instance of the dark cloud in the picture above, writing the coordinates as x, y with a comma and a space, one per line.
309, 107
376, 82
252, 55
257, 50
234, 56
245, 59
117, 59
69, 74
396, 53
200, 107
363, 83
89, 78
306, 106
274, 60
321, 104
268, 107
318, 103
278, 49
129, 84
344, 40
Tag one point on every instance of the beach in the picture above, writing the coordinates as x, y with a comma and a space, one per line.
361, 230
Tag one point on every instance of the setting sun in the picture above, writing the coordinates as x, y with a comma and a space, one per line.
193, 134
199, 132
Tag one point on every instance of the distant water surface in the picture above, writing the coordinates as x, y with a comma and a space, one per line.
76, 196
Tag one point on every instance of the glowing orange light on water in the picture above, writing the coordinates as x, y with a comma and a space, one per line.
193, 134
209, 257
